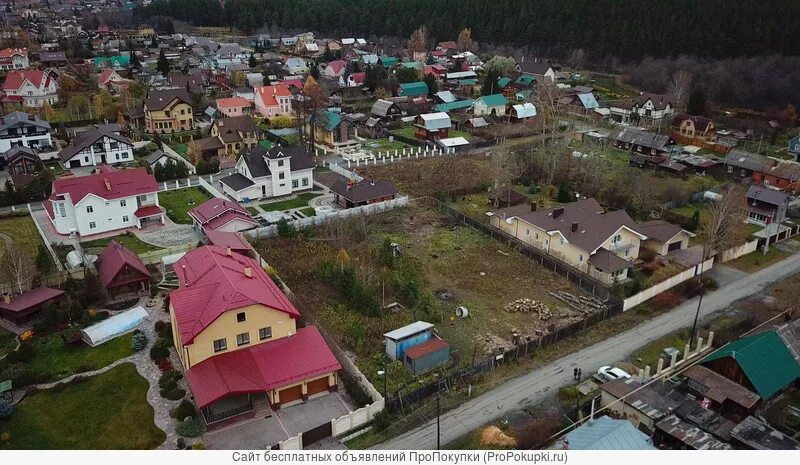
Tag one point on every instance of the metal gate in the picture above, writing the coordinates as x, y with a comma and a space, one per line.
317, 434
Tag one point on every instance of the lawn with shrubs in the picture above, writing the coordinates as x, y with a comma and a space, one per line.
107, 411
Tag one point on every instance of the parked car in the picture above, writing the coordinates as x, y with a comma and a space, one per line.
610, 373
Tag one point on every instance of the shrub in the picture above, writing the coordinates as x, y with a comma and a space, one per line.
164, 364
168, 385
153, 290
139, 341
71, 336
171, 376
189, 428
173, 394
183, 411
181, 443
5, 436
23, 354
381, 421
158, 352
164, 331
199, 446
26, 336
19, 374
666, 300
6, 409
286, 229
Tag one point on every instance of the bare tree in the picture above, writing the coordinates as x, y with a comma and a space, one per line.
724, 227
20, 267
465, 42
419, 40
546, 98
506, 168
679, 87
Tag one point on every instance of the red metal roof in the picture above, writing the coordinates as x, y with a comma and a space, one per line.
213, 282
262, 367
15, 79
121, 183
428, 347
216, 212
114, 259
228, 239
32, 298
148, 211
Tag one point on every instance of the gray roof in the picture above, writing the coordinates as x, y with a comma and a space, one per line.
761, 436
660, 230
237, 181
767, 195
381, 107
747, 160
531, 66
86, 138
257, 164
153, 157
690, 434
46, 57
606, 433
364, 190
647, 139
409, 330
23, 119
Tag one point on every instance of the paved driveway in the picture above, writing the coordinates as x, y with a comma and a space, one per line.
169, 234
314, 412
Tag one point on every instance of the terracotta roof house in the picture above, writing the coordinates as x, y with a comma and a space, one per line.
335, 69
106, 201
272, 101
95, 146
31, 88
20, 309
356, 79
234, 106
580, 233
221, 215
236, 336
365, 192
111, 81
232, 240
273, 172
121, 271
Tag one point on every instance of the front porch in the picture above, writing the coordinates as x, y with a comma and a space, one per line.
148, 214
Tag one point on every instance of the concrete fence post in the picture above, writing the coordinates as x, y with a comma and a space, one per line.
686, 352
699, 345
660, 366
165, 186
395, 152
673, 360
177, 184
710, 339
641, 373
647, 371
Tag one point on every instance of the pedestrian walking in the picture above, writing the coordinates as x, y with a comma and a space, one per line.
575, 373
580, 373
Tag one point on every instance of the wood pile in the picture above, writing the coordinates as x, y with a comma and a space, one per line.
541, 310
581, 303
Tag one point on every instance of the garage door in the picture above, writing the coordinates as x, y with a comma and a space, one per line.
290, 394
317, 386
674, 246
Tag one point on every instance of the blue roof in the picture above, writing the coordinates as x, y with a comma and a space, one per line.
468, 82
454, 105
606, 433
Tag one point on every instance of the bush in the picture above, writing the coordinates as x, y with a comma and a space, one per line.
139, 341
666, 300
6, 409
181, 443
164, 364
173, 394
158, 352
5, 436
153, 290
24, 354
183, 411
286, 229
190, 428
164, 331
198, 446
381, 421
168, 377
19, 374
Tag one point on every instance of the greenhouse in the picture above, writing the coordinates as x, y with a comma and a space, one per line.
114, 326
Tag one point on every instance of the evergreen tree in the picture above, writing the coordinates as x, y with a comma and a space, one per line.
313, 71
162, 65
489, 85
433, 84
251, 62
697, 103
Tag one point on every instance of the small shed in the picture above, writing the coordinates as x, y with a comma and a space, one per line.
22, 308
427, 356
115, 326
401, 339
507, 197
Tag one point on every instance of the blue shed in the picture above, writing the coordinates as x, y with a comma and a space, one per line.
427, 356
399, 340
794, 145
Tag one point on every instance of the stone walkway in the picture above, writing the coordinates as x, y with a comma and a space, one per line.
169, 234
149, 371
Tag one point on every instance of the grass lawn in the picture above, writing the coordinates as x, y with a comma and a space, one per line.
182, 149
24, 234
177, 203
757, 260
649, 354
300, 201
265, 143
107, 411
253, 211
753, 228
8, 341
128, 240
383, 145
53, 361
308, 211
55, 168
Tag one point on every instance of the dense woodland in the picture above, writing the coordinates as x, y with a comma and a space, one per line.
627, 29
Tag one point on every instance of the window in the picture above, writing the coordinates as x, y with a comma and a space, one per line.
89, 209
265, 333
295, 184
281, 175
242, 339
123, 203
125, 219
280, 162
114, 145
730, 169
220, 345
240, 317
580, 258
62, 211
116, 157
305, 182
626, 252
561, 242
527, 232
92, 225
617, 238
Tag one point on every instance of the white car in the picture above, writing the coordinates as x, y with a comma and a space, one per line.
610, 373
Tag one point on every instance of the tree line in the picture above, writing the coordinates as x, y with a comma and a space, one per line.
627, 29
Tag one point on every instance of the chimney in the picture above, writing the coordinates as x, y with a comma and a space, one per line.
558, 212
229, 252
221, 123
533, 206
108, 184
574, 226
248, 272
186, 282
7, 297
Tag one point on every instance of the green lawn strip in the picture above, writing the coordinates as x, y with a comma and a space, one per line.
8, 341
128, 240
53, 360
107, 411
649, 354
383, 145
308, 211
23, 232
300, 201
253, 211
757, 260
177, 203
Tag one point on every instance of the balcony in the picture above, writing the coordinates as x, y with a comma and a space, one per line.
618, 247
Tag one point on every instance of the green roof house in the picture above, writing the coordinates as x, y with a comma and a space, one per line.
413, 89
494, 104
503, 82
117, 62
454, 106
525, 80
762, 363
388, 62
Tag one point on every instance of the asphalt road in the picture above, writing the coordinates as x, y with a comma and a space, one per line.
535, 385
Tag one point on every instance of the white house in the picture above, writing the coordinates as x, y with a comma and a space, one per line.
273, 100
30, 87
643, 110
23, 129
14, 58
296, 65
276, 172
494, 104
107, 201
97, 145
540, 70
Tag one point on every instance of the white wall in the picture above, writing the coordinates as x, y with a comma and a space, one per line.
27, 141
107, 215
89, 157
651, 292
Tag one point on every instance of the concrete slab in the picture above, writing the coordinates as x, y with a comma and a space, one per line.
725, 275
314, 412
257, 433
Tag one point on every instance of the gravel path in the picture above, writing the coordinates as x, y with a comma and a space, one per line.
169, 234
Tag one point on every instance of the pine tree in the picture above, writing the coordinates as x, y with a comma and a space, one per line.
433, 84
251, 62
162, 66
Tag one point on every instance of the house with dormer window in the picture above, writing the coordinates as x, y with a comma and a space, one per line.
95, 146
31, 88
275, 172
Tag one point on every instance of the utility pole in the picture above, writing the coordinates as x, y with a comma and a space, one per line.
438, 416
702, 292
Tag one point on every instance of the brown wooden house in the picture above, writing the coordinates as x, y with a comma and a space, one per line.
121, 270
